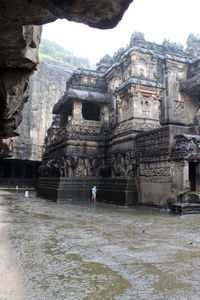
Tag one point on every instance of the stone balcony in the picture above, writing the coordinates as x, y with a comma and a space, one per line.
88, 127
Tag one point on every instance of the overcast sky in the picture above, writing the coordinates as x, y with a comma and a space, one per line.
157, 19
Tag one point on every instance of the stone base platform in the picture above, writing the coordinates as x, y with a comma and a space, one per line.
117, 191
185, 208
48, 188
188, 203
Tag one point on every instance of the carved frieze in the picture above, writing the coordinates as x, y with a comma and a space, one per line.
185, 147
88, 127
136, 123
153, 145
116, 165
163, 171
156, 174
154, 179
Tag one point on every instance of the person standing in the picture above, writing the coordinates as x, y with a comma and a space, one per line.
94, 192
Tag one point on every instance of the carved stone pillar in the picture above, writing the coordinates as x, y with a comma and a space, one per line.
185, 174
77, 110
104, 114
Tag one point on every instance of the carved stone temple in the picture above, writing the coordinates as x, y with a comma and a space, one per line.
131, 127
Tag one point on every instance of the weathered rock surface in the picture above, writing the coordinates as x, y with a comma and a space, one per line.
18, 59
101, 14
46, 87
19, 46
20, 38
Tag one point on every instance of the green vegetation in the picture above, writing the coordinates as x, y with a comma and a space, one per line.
50, 54
54, 53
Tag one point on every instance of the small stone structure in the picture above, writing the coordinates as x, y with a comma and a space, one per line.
131, 127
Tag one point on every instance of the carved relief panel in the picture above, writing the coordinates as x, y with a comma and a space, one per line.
127, 68
153, 172
147, 103
124, 107
142, 68
142, 65
173, 105
133, 63
123, 164
115, 82
145, 107
178, 110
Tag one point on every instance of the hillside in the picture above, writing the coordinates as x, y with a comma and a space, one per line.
53, 53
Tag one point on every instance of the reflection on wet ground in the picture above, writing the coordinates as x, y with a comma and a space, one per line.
101, 251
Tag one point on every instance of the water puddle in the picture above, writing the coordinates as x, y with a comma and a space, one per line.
101, 251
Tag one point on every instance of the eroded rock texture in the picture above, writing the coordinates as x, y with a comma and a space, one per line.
20, 37
45, 88
100, 14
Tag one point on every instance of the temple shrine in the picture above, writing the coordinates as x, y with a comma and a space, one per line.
131, 127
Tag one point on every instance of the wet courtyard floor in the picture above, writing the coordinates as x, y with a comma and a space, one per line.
101, 251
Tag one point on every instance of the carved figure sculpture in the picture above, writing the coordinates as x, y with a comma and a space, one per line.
62, 167
95, 167
131, 168
88, 170
70, 164
80, 168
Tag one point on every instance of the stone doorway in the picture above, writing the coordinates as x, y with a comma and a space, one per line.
193, 176
91, 111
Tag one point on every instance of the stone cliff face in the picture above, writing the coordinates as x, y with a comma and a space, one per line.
46, 87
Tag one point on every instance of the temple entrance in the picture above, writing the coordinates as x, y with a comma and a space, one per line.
91, 111
192, 175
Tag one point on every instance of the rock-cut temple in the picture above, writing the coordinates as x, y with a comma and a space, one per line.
131, 127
